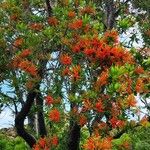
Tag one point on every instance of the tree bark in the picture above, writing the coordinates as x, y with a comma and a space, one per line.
49, 8
74, 133
40, 117
74, 137
20, 117
110, 13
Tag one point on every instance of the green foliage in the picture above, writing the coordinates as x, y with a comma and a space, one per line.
138, 139
7, 143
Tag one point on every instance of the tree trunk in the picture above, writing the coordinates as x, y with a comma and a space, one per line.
110, 14
74, 137
40, 116
20, 117
74, 133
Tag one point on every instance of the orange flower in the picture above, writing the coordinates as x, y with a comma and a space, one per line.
54, 115
102, 80
25, 53
88, 10
52, 21
116, 123
36, 26
28, 67
115, 109
90, 144
111, 37
106, 144
86, 105
65, 71
14, 17
65, 59
77, 24
89, 51
129, 83
131, 101
126, 145
76, 48
49, 100
102, 125
32, 70
139, 85
76, 72
42, 142
99, 106
82, 120
86, 28
71, 14
24, 64
139, 70
54, 140
16, 61
18, 42
36, 147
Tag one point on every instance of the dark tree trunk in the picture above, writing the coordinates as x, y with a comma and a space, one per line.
40, 116
20, 117
74, 137
74, 133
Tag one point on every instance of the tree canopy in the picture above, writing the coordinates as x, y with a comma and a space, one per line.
68, 67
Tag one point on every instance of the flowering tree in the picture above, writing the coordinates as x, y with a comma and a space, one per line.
65, 62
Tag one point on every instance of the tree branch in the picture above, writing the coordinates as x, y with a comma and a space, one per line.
12, 99
41, 122
110, 11
49, 8
20, 117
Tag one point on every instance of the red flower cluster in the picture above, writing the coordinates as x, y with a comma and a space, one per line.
25, 53
131, 101
54, 115
111, 37
49, 100
75, 73
65, 59
65, 71
96, 143
139, 70
36, 26
54, 140
52, 21
77, 24
82, 120
46, 144
18, 42
28, 67
116, 123
88, 10
99, 106
102, 51
102, 79
139, 85
71, 14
